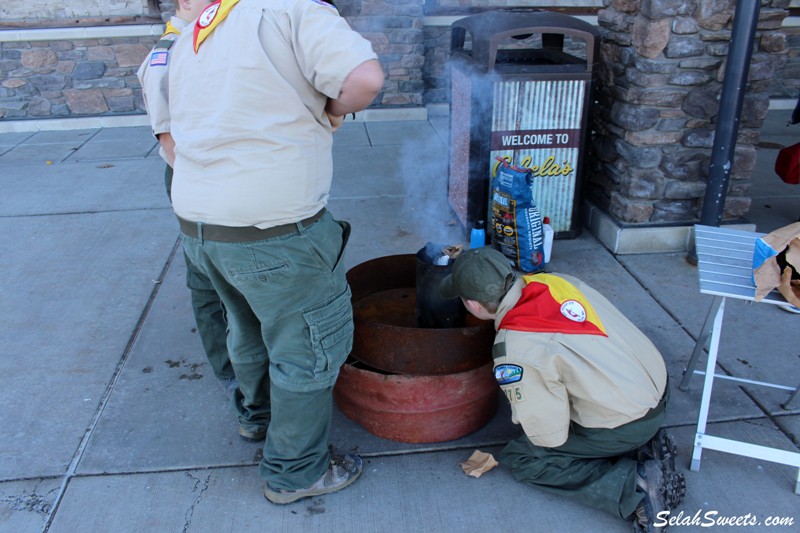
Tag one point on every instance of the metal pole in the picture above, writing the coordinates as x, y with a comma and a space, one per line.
737, 67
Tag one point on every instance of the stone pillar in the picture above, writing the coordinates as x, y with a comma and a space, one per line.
395, 30
662, 67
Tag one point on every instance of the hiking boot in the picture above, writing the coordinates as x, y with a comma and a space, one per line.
253, 436
650, 481
342, 471
662, 448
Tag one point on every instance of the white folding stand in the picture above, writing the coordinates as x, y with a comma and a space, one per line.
725, 268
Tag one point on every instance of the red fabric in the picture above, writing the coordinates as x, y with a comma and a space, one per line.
787, 165
538, 311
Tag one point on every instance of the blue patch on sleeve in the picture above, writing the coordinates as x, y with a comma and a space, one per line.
505, 374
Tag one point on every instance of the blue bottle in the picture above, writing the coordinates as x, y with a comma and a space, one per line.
477, 236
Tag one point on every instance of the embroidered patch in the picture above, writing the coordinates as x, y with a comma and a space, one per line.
159, 58
207, 16
209, 19
574, 311
514, 394
505, 374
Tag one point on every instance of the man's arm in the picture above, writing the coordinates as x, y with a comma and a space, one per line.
360, 87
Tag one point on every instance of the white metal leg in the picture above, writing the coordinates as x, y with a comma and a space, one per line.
703, 440
702, 339
708, 383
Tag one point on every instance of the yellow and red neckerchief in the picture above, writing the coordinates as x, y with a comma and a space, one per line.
550, 304
209, 19
169, 28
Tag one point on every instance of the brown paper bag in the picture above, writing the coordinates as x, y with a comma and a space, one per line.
478, 463
781, 269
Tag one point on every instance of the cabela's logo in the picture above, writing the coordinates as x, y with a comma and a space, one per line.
548, 168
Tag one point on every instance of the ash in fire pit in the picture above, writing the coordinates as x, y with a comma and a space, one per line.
387, 334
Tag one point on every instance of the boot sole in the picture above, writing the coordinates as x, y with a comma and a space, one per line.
674, 490
662, 448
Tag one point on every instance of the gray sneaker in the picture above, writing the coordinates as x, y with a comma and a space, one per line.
253, 436
342, 471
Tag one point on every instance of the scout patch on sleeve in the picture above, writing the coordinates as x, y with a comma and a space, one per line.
159, 58
506, 374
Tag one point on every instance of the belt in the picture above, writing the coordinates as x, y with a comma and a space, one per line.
213, 232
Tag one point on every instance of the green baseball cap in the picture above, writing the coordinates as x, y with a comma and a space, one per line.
480, 274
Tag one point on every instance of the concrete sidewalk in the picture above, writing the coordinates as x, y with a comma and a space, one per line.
113, 422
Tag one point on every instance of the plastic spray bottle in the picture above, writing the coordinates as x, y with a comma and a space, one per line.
548, 238
477, 236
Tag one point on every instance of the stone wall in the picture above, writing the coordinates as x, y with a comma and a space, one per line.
662, 67
89, 77
786, 83
52, 9
395, 30
97, 77
434, 71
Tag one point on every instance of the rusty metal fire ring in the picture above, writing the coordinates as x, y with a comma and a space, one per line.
417, 409
386, 337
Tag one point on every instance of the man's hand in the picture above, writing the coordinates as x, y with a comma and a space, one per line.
336, 120
168, 144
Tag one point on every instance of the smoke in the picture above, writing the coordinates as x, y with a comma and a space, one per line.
423, 169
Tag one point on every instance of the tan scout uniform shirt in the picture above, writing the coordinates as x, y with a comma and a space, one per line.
253, 143
595, 380
154, 81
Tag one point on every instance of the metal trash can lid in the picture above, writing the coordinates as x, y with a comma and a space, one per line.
489, 29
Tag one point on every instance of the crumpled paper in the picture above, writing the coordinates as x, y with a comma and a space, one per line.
767, 272
478, 463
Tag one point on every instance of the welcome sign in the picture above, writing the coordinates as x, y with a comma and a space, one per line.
537, 125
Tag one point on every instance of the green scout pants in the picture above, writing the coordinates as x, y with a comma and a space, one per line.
594, 466
207, 308
290, 324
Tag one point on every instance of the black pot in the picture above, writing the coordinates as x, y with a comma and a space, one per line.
432, 310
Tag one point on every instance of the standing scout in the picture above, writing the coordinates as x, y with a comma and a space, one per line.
588, 388
152, 75
253, 92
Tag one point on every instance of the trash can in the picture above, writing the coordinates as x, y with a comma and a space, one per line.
521, 84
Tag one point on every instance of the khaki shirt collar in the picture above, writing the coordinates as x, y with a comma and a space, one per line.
509, 301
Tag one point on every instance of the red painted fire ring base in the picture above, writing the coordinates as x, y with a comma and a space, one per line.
417, 409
